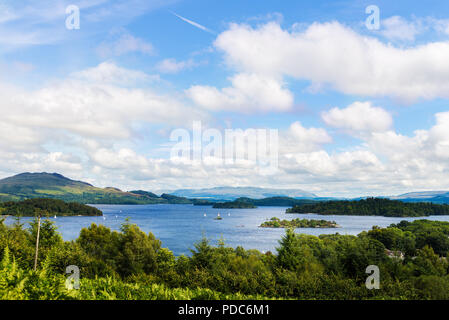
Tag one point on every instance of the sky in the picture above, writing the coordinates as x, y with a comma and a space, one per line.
360, 109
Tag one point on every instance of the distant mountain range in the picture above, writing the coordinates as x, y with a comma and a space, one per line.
232, 193
430, 196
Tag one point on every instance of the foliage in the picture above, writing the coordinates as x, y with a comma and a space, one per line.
52, 206
298, 223
237, 204
131, 264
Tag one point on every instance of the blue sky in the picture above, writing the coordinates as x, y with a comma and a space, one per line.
359, 111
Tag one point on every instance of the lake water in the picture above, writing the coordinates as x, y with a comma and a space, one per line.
180, 226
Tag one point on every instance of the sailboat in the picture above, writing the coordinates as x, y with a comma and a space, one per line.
55, 216
218, 217
205, 215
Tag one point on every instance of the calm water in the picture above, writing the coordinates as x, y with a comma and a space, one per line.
180, 226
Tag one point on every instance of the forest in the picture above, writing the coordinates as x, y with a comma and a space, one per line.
132, 264
27, 208
234, 205
373, 207
244, 202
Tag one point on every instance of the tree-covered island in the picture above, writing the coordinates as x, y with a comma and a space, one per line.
298, 223
373, 207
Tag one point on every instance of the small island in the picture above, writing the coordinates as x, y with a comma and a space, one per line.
234, 205
298, 223
50, 207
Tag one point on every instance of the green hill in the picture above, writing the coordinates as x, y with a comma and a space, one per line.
55, 186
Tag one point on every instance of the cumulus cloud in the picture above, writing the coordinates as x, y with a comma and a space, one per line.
94, 106
249, 92
335, 55
359, 117
91, 103
300, 139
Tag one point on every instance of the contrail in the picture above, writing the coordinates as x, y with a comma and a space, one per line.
193, 23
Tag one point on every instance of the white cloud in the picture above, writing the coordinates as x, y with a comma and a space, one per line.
119, 159
110, 73
333, 54
344, 166
91, 103
397, 28
359, 117
249, 92
125, 44
385, 163
300, 139
173, 66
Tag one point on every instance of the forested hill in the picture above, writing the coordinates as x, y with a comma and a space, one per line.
55, 186
51, 207
244, 202
373, 207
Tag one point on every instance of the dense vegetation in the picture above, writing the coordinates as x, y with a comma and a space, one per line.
49, 206
373, 207
234, 205
298, 223
131, 264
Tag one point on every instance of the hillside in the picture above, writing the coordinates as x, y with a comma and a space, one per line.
55, 186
